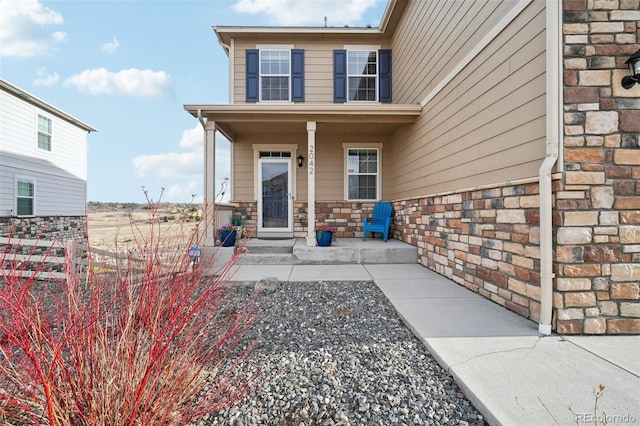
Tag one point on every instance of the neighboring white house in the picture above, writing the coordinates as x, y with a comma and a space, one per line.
43, 168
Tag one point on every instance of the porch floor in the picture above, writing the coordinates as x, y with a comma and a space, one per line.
342, 251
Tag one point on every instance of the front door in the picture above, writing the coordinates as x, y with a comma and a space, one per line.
275, 200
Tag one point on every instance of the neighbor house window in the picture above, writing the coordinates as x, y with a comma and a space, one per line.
25, 190
363, 173
44, 133
362, 74
275, 75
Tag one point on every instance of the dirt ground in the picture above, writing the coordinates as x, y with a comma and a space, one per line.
126, 230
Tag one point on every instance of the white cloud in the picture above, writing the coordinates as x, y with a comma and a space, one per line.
129, 82
111, 46
193, 138
24, 28
304, 12
169, 165
184, 170
44, 79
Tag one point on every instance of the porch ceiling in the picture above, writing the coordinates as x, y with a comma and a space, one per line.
248, 119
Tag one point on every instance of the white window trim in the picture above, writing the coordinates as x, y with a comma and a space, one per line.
345, 148
367, 48
15, 198
38, 115
262, 47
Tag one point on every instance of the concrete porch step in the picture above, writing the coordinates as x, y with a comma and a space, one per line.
342, 251
258, 246
249, 258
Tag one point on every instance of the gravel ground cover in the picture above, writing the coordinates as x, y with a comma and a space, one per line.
342, 357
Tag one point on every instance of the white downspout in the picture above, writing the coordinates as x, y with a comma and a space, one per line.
553, 133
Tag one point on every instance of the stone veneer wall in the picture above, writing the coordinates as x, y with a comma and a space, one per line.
486, 240
345, 216
45, 228
597, 258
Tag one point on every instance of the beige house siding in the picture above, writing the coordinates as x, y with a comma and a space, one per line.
444, 32
487, 125
318, 59
330, 165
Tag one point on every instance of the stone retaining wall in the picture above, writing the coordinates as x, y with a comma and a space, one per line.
63, 228
44, 228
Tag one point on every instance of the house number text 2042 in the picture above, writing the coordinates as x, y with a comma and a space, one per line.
312, 159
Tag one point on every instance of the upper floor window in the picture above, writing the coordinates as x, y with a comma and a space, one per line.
275, 69
25, 195
362, 72
362, 75
274, 74
44, 133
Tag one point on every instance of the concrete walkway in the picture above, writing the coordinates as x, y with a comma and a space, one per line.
510, 373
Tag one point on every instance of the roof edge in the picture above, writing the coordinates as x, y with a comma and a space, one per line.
23, 94
296, 109
386, 16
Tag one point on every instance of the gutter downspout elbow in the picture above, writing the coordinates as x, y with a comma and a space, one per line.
202, 123
553, 131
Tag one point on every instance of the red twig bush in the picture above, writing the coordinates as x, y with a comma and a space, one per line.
147, 343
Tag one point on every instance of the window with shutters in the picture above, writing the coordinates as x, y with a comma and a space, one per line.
275, 75
275, 72
362, 74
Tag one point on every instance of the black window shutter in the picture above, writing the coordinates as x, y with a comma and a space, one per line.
297, 75
384, 75
253, 75
339, 76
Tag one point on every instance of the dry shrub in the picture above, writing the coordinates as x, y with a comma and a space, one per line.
147, 343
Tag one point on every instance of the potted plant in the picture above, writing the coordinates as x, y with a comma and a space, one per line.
237, 222
324, 234
227, 235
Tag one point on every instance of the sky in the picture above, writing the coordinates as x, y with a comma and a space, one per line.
127, 68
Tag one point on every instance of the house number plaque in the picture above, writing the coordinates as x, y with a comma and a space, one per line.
312, 159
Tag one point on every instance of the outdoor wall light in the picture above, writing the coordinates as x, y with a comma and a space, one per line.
634, 70
300, 159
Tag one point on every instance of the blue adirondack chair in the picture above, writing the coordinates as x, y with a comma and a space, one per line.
380, 222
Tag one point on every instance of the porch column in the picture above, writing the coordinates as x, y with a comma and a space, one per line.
311, 182
209, 184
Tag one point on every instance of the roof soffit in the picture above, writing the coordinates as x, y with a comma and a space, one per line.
244, 119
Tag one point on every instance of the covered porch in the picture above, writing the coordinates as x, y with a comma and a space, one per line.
306, 143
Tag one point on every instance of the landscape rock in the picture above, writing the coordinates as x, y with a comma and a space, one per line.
267, 284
